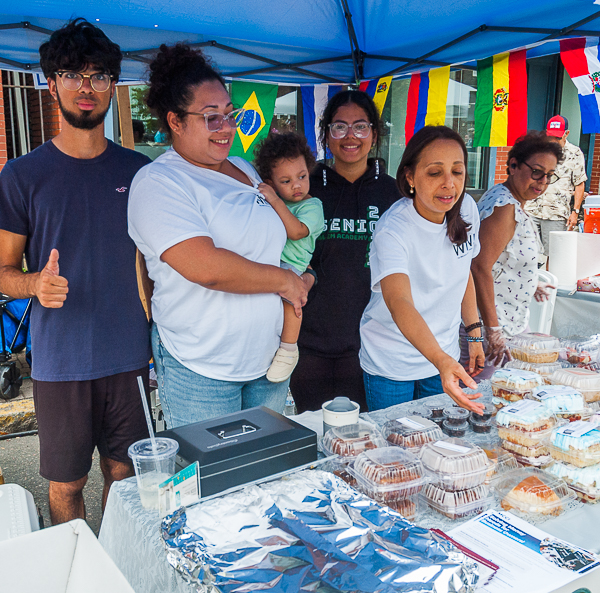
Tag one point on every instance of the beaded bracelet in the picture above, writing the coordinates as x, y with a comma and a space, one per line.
473, 326
474, 339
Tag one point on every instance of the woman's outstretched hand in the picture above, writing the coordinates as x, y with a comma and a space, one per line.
451, 373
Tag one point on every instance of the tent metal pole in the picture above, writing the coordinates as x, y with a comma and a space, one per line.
357, 55
568, 30
437, 50
541, 31
289, 66
25, 25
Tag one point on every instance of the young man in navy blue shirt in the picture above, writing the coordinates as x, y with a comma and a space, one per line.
64, 206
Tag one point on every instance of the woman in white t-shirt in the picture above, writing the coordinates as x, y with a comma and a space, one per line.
421, 281
212, 246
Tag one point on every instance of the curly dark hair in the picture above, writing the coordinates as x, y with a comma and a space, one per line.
281, 146
174, 73
359, 98
76, 46
533, 143
456, 228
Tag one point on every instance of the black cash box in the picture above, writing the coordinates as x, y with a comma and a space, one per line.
243, 447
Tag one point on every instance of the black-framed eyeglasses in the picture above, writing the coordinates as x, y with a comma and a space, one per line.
360, 129
73, 81
214, 121
538, 174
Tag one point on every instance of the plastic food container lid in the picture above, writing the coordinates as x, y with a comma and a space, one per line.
422, 411
577, 442
581, 379
454, 413
389, 470
527, 416
588, 347
488, 411
533, 491
459, 503
541, 368
411, 432
352, 440
452, 425
584, 480
455, 463
559, 398
535, 341
501, 462
165, 448
516, 380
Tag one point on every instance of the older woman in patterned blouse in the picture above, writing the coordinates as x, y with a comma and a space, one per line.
505, 271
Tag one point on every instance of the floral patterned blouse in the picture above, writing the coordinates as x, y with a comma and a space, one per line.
515, 272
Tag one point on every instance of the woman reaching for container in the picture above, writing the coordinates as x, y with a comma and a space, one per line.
421, 281
506, 269
212, 245
354, 193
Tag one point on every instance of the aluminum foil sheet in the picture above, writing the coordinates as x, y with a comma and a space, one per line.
309, 532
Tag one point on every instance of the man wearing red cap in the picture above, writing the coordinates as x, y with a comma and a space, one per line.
552, 210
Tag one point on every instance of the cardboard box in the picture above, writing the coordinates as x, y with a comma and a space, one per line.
66, 558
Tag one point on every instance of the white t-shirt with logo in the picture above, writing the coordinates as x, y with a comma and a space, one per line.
224, 336
405, 243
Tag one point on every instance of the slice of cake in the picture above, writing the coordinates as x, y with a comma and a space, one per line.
533, 496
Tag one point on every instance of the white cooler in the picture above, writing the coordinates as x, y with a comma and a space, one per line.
18, 514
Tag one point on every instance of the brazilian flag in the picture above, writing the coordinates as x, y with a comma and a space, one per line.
259, 102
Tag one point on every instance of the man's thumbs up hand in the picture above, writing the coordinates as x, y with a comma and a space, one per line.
51, 289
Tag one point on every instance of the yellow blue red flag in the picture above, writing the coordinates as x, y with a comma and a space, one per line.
259, 102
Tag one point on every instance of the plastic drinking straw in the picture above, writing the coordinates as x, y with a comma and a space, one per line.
147, 412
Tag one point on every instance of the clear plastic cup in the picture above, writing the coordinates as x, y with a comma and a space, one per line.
152, 468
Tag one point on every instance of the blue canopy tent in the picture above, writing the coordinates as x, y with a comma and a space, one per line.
306, 41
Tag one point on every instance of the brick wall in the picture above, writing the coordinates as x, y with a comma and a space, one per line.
595, 179
2, 129
50, 114
501, 158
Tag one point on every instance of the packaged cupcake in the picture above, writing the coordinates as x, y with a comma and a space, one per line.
457, 504
437, 409
454, 415
512, 384
533, 493
526, 422
534, 347
452, 429
388, 474
351, 440
411, 432
566, 402
481, 426
584, 481
455, 464
577, 443
584, 380
488, 411
545, 369
579, 350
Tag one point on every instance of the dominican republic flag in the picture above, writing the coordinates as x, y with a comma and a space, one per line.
314, 100
580, 60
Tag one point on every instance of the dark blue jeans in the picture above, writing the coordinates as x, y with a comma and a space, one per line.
383, 393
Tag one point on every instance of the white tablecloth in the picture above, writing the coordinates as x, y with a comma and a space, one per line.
576, 314
131, 535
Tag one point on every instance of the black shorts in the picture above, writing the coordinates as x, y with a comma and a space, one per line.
74, 417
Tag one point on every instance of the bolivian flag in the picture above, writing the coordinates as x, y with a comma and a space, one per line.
378, 90
427, 97
259, 102
501, 104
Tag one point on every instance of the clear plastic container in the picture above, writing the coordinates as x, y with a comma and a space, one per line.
455, 415
481, 426
588, 382
437, 409
545, 369
501, 462
407, 507
533, 492
388, 474
512, 384
536, 456
411, 432
566, 402
455, 430
455, 464
577, 443
339, 467
350, 441
488, 411
580, 350
534, 347
457, 504
584, 481
525, 423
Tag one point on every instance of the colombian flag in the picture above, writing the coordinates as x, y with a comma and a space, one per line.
259, 102
427, 96
378, 90
501, 104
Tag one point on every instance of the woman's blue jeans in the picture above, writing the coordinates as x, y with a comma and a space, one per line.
383, 393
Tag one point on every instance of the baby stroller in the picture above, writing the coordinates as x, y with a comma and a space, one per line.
14, 326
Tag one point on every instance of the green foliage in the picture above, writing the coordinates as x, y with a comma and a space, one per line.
139, 109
